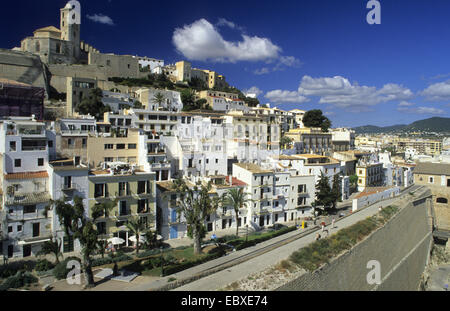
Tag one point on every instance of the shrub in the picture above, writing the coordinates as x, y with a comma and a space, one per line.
12, 268
43, 265
60, 271
20, 279
149, 253
171, 269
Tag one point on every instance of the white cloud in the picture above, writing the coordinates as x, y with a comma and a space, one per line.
224, 22
279, 96
102, 19
409, 108
201, 41
437, 92
262, 71
405, 104
253, 90
340, 92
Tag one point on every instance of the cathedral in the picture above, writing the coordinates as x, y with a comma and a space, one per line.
59, 45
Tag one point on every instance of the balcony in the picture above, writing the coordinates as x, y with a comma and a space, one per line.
70, 187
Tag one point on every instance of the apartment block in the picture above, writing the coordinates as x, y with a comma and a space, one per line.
135, 192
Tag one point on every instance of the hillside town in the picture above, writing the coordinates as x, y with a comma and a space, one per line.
127, 140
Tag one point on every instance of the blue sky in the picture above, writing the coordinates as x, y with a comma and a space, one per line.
312, 54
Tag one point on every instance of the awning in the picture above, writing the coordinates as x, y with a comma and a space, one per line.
33, 242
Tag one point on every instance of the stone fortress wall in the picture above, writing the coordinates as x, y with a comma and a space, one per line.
402, 247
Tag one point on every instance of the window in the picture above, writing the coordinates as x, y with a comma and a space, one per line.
29, 209
50, 143
67, 182
12, 146
431, 180
142, 206
123, 208
19, 228
84, 142
141, 187
120, 146
109, 146
38, 47
108, 62
442, 200
132, 146
40, 162
109, 159
10, 229
99, 190
17, 163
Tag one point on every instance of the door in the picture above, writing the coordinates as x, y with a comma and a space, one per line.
276, 217
174, 232
10, 251
261, 221
36, 229
285, 217
174, 215
268, 219
26, 250
230, 221
224, 223
210, 227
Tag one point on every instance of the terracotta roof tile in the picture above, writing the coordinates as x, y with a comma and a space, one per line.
27, 175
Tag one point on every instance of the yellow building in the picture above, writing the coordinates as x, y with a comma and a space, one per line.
119, 147
428, 147
369, 175
311, 140
135, 193
436, 176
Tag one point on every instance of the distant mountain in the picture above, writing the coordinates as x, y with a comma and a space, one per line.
435, 124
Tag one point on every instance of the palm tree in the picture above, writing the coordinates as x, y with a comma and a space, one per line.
137, 227
159, 98
237, 198
103, 209
196, 203
51, 247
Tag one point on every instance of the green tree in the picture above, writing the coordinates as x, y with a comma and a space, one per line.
201, 104
251, 102
354, 181
198, 84
75, 224
137, 104
51, 247
196, 204
285, 142
237, 198
93, 105
324, 195
188, 99
336, 190
137, 227
103, 209
315, 118
159, 98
